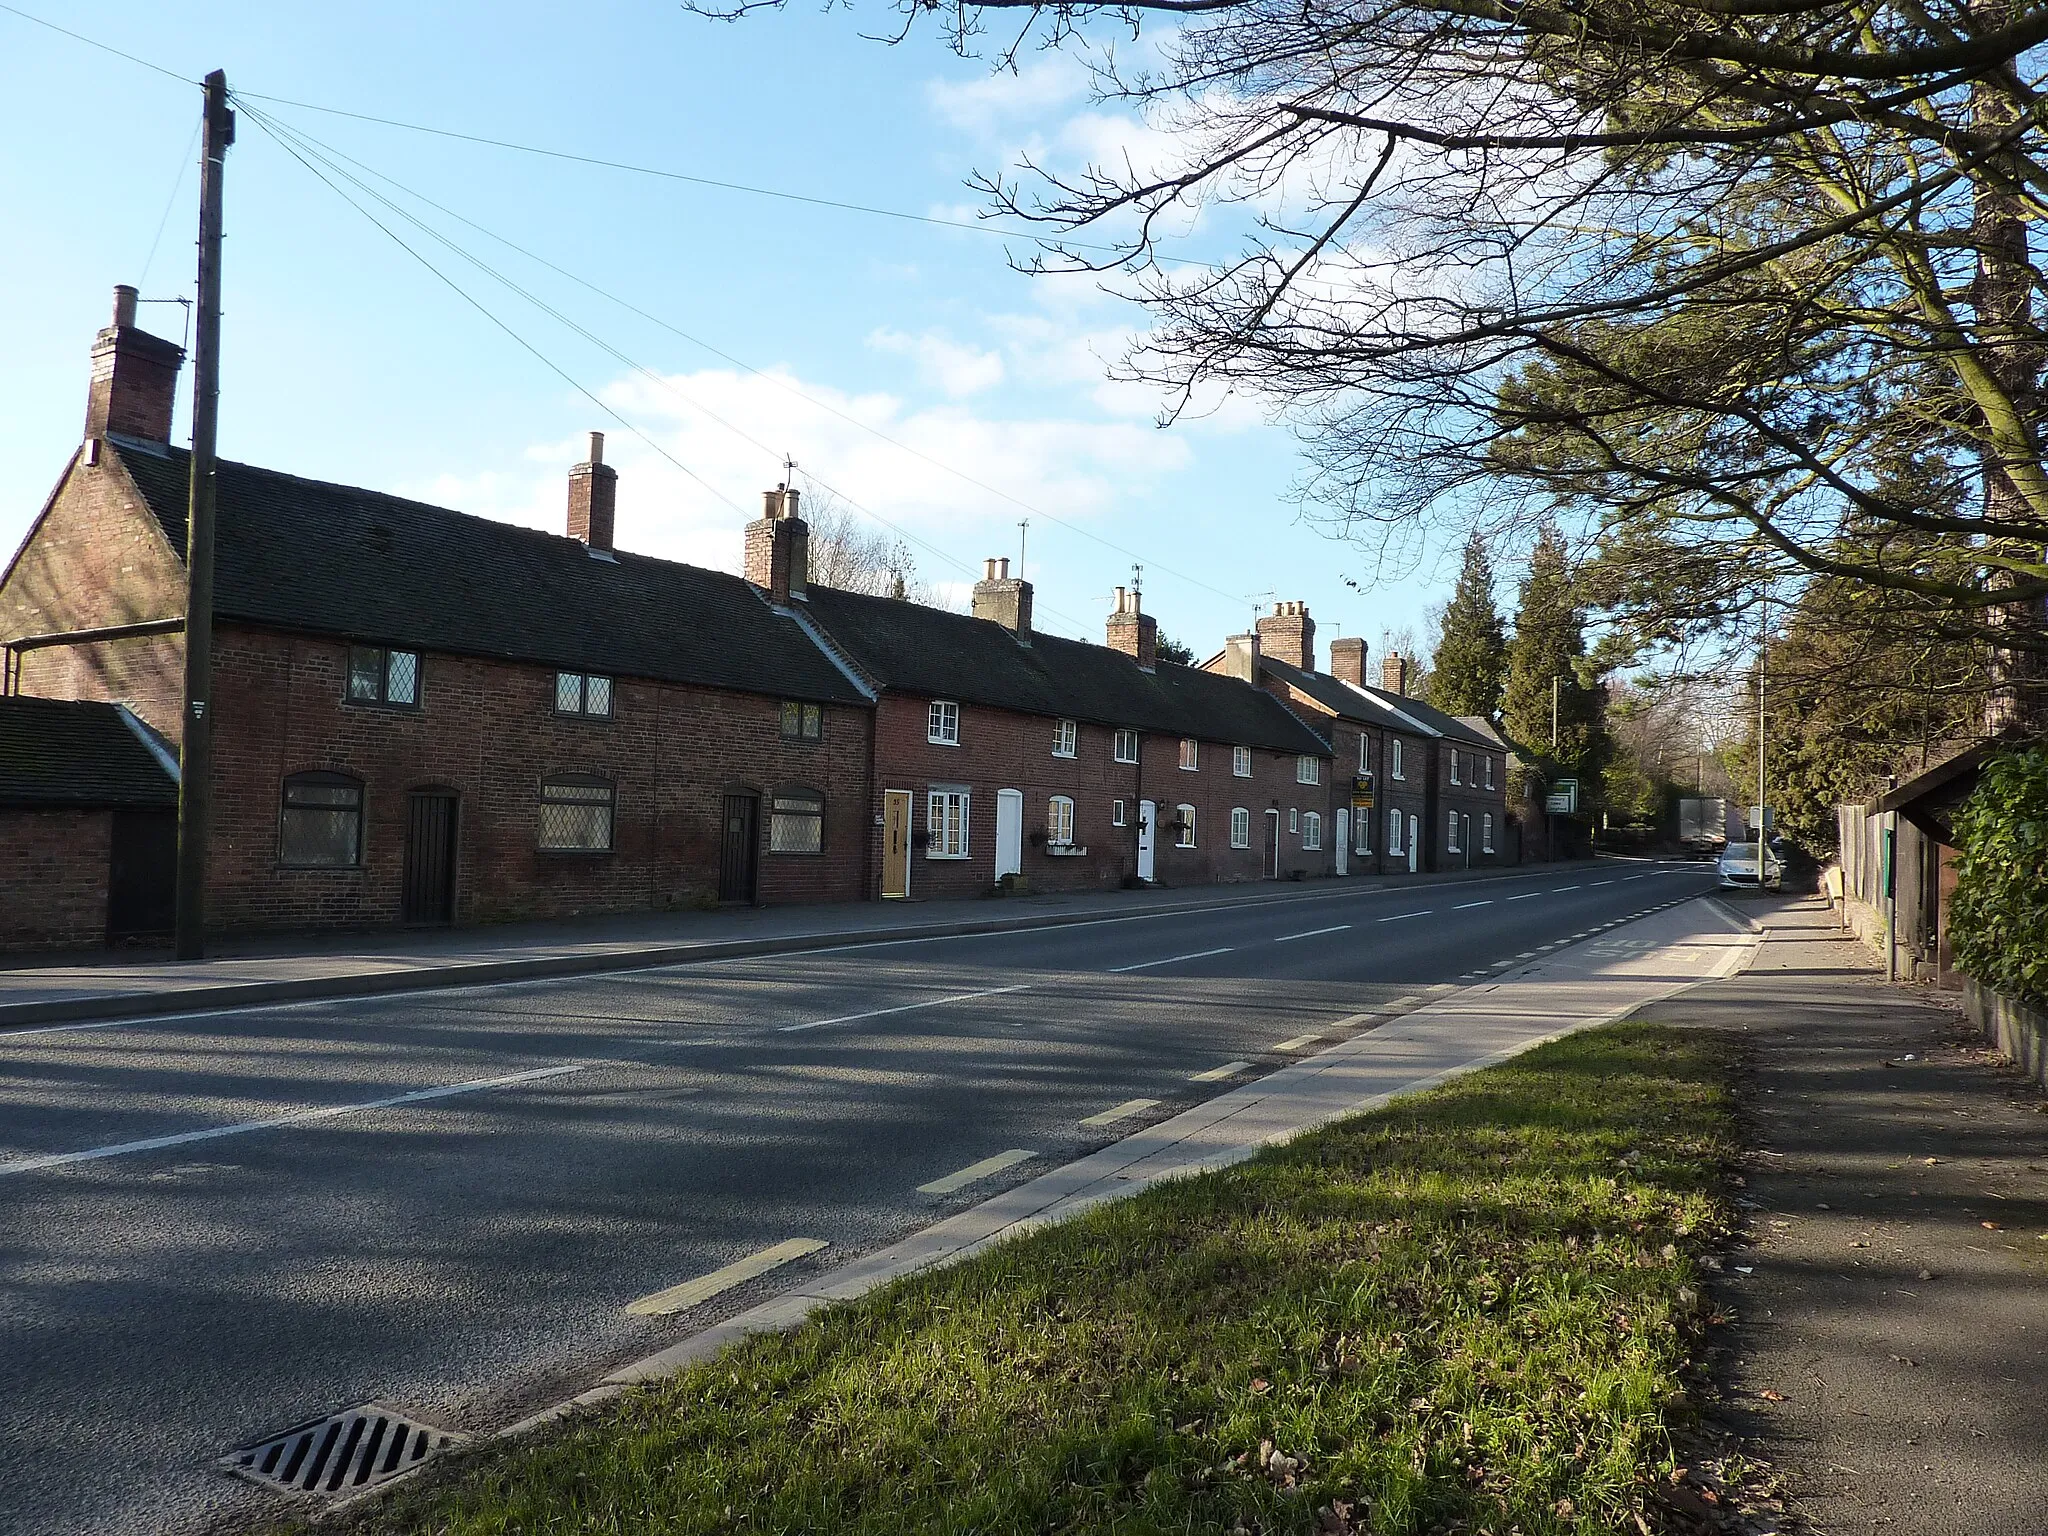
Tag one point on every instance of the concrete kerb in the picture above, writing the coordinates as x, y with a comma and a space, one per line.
399, 979
1097, 1179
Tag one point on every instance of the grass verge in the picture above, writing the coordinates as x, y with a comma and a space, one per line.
1469, 1312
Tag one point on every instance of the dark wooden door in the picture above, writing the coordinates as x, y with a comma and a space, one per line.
428, 894
739, 848
142, 874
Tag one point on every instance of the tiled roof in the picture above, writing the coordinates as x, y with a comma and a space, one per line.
1340, 699
936, 654
1435, 721
72, 753
334, 559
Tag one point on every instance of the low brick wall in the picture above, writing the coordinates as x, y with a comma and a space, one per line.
2016, 1029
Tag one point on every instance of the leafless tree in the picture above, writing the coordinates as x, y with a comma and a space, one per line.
852, 555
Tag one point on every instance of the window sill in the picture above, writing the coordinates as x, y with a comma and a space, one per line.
1128, 762
576, 853
933, 741
948, 858
1067, 757
383, 709
1065, 850
1184, 768
583, 719
318, 869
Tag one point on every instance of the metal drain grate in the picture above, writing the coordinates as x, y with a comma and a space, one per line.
341, 1453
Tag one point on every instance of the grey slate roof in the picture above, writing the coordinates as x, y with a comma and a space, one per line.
1340, 699
310, 556
1450, 727
76, 754
935, 654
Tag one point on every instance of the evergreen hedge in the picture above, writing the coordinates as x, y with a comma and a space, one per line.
1998, 925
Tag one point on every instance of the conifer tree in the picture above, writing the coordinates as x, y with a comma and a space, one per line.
1470, 668
1549, 644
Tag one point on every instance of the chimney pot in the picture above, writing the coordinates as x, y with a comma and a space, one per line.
1394, 674
988, 570
789, 501
596, 455
124, 304
771, 502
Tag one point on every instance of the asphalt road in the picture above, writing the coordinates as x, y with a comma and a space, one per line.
181, 1273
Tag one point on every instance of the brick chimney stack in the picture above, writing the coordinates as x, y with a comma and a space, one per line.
1289, 634
593, 498
1394, 674
1133, 632
1004, 598
1347, 659
134, 378
1241, 658
778, 554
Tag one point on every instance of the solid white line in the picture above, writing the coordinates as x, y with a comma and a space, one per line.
1217, 1074
704, 1287
974, 1171
1200, 954
1122, 1111
1466, 906
301, 1117
1297, 1043
1399, 915
936, 1002
1311, 933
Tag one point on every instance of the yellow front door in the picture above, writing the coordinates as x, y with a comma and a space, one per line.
896, 842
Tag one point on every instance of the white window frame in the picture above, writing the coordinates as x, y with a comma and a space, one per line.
1451, 838
1364, 761
1308, 769
1454, 767
1190, 755
1126, 748
1486, 832
942, 723
1116, 813
1294, 818
1064, 735
1361, 833
1241, 762
1394, 849
939, 831
1394, 767
1489, 770
1312, 830
1240, 827
1059, 821
1187, 826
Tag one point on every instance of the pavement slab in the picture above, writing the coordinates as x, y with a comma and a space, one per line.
1890, 1354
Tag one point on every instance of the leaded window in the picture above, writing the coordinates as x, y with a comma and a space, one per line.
802, 722
796, 822
576, 814
320, 822
582, 693
388, 678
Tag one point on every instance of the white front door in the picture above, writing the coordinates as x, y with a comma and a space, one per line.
1009, 832
1272, 845
1343, 841
1414, 842
1148, 816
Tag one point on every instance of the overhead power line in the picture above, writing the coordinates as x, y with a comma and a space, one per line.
93, 42
779, 383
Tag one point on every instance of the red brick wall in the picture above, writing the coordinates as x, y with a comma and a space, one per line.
53, 878
97, 558
488, 730
1468, 798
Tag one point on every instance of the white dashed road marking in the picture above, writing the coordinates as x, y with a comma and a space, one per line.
704, 1287
1217, 1074
1122, 1111
1200, 954
976, 1171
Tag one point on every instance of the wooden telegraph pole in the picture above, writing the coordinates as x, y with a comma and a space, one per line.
196, 755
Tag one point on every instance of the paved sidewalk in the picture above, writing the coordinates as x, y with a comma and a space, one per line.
255, 971
1460, 1030
1891, 1354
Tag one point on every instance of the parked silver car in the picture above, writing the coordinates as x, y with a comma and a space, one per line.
1739, 869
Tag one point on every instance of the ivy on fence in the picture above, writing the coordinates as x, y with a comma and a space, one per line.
1998, 924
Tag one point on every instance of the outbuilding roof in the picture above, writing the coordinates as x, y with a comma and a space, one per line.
933, 653
308, 555
79, 755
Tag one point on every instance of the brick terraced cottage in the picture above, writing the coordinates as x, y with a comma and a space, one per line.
423, 716
1415, 789
1006, 754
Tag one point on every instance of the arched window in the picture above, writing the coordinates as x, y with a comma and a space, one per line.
1187, 825
796, 822
1240, 828
1312, 830
320, 822
1059, 822
1486, 833
1393, 832
576, 814
1451, 842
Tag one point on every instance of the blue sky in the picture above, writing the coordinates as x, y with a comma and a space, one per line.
345, 359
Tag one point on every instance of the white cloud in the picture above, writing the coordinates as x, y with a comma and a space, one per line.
988, 105
956, 369
1074, 467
